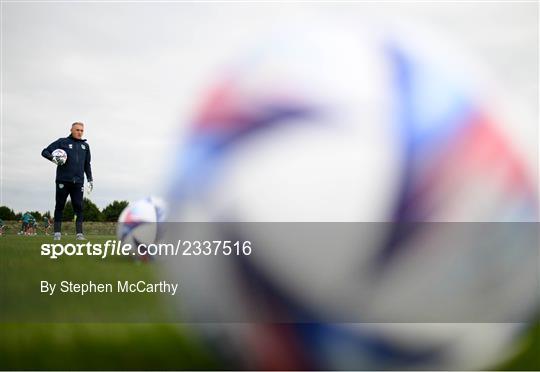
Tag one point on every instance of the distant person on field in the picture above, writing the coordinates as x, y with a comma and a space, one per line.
24, 226
35, 226
31, 229
70, 176
46, 225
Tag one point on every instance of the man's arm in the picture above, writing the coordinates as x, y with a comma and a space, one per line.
47, 152
87, 166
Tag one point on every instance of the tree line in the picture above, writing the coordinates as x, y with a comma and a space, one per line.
91, 212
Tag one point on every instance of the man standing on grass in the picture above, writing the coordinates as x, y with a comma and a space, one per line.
70, 176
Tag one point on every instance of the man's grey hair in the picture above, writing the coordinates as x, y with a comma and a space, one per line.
77, 123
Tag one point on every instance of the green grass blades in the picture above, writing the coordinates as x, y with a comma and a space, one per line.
40, 332
23, 268
101, 347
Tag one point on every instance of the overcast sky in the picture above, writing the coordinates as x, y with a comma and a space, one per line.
133, 72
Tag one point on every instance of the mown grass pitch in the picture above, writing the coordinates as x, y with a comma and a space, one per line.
93, 345
96, 344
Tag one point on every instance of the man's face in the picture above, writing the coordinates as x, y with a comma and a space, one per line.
77, 131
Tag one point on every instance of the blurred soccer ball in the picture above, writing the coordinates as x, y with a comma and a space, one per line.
60, 154
329, 124
140, 223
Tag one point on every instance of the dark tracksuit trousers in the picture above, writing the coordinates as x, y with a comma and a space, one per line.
75, 192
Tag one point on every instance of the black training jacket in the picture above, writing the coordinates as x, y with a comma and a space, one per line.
78, 159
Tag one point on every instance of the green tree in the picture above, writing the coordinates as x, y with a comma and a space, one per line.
47, 214
7, 213
90, 211
112, 211
68, 212
37, 215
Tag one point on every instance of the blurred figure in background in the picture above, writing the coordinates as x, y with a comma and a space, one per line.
46, 224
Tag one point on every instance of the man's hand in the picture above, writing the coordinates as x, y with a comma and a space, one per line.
90, 186
57, 160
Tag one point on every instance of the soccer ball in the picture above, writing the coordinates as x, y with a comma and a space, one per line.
61, 154
330, 124
140, 223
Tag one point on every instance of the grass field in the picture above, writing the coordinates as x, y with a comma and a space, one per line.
90, 227
50, 342
58, 345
